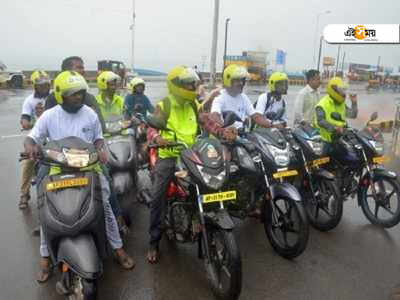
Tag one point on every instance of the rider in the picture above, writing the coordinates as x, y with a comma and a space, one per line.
307, 99
137, 101
179, 110
334, 101
75, 63
109, 102
232, 98
31, 110
272, 105
72, 118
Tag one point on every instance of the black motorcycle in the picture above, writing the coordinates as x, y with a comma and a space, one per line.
321, 197
196, 211
357, 161
264, 153
72, 216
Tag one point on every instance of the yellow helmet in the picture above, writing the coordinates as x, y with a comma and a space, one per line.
40, 77
180, 76
336, 89
274, 78
233, 72
68, 83
104, 78
134, 82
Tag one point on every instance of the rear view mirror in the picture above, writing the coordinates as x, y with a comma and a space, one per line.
156, 122
230, 118
373, 117
336, 116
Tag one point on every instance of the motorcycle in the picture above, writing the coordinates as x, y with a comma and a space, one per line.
357, 160
72, 217
121, 153
264, 153
322, 201
196, 211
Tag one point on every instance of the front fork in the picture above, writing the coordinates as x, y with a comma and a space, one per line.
203, 226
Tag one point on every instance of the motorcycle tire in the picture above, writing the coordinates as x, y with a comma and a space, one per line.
225, 259
372, 214
324, 213
86, 291
284, 222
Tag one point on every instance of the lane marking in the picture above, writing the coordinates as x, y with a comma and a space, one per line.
11, 136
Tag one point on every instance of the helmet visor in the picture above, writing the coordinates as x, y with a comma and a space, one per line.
281, 86
189, 76
74, 90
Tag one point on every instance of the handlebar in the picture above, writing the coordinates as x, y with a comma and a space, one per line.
170, 145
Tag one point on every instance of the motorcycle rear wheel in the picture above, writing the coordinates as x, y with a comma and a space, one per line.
325, 211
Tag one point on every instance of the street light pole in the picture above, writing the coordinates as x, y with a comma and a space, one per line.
214, 45
344, 55
320, 50
316, 31
337, 60
226, 43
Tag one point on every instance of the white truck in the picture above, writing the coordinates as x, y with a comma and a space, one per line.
12, 79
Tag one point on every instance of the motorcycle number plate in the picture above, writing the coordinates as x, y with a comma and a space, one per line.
217, 197
321, 161
285, 174
66, 183
379, 160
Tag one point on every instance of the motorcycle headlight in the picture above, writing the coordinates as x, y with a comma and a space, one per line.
56, 156
77, 158
282, 157
378, 146
213, 181
317, 147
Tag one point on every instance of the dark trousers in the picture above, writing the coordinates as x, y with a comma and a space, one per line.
164, 172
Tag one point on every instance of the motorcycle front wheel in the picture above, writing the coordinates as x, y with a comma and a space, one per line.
286, 226
383, 208
225, 266
82, 289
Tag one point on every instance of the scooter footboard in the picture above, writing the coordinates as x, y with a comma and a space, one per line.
81, 255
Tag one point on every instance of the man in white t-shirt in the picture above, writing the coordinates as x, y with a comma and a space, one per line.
31, 110
272, 104
72, 118
233, 99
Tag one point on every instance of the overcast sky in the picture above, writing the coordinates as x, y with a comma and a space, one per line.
39, 33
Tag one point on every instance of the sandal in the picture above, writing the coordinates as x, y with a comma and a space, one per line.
23, 202
153, 255
45, 270
125, 261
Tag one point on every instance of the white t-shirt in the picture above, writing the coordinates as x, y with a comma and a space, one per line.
56, 124
29, 106
274, 106
240, 105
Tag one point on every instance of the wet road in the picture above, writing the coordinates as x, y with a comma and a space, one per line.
354, 261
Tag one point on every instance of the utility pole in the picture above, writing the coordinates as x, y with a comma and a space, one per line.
337, 60
344, 55
133, 35
226, 43
214, 45
377, 66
